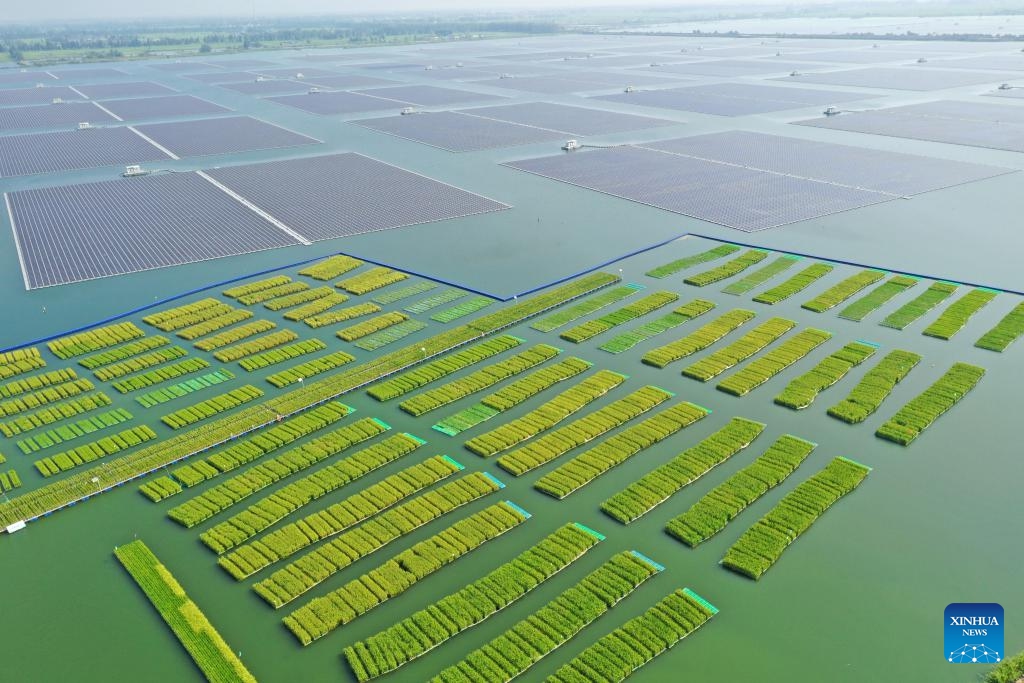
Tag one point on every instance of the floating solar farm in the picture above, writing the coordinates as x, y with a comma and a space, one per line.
731, 99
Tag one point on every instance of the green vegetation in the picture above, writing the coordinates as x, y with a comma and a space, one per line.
341, 315
794, 285
298, 298
554, 624
698, 340
375, 324
1005, 332
123, 352
585, 307
716, 363
62, 462
89, 341
281, 354
60, 411
617, 655
213, 324
637, 309
235, 334
428, 628
762, 369
875, 387
165, 394
917, 415
140, 362
41, 397
36, 382
389, 335
684, 313
310, 368
725, 502
9, 480
1010, 670
404, 292
160, 488
584, 468
255, 345
435, 300
655, 487
958, 313
859, 309
728, 269
801, 392
272, 293
73, 430
258, 286
372, 279
18, 362
837, 294
330, 268
212, 406
761, 275
316, 307
212, 655
688, 261
926, 301
762, 544
176, 318
158, 375
462, 309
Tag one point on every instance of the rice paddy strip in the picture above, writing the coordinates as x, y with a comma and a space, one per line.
917, 415
211, 406
368, 327
728, 269
523, 645
418, 634
794, 285
801, 392
299, 298
478, 380
698, 340
219, 498
719, 361
310, 368
762, 369
140, 362
255, 345
36, 382
14, 363
41, 397
762, 544
171, 319
161, 374
761, 275
462, 309
310, 570
637, 309
341, 315
876, 298
160, 489
272, 293
581, 431
235, 334
91, 340
512, 395
370, 280
689, 261
585, 307
615, 656
584, 468
1005, 332
657, 486
431, 302
81, 455
9, 480
123, 352
684, 313
56, 412
210, 326
874, 387
281, 354
390, 335
258, 286
321, 305
158, 396
330, 268
926, 301
837, 294
546, 415
73, 430
404, 292
725, 502
214, 657
956, 315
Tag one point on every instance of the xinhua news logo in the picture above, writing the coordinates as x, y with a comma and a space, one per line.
973, 633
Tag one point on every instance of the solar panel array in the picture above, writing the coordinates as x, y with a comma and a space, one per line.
429, 95
78, 75
568, 119
273, 86
105, 91
901, 78
731, 99
459, 132
732, 67
181, 67
348, 81
548, 85
221, 76
73, 149
294, 72
1014, 62
162, 107
65, 115
13, 76
19, 97
337, 102
201, 137
871, 56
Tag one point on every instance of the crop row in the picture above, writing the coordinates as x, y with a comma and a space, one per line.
255, 345
55, 413
297, 299
638, 308
917, 415
214, 657
374, 324
9, 481
462, 309
19, 362
341, 315
698, 340
478, 380
273, 293
160, 488
762, 544
655, 487
274, 507
953, 319
62, 462
837, 294
405, 292
584, 468
730, 268
372, 279
689, 261
167, 315
581, 431
205, 321
258, 286
554, 624
435, 370
926, 301
317, 307
762, 369
331, 267
719, 361
169, 393
802, 390
1005, 332
435, 300
158, 375
308, 571
73, 430
44, 396
428, 628
281, 354
310, 368
213, 324
615, 656
546, 415
874, 387
36, 382
211, 406
794, 285
876, 298
683, 314
235, 334
140, 362
725, 502
123, 352
585, 307
541, 303
93, 340
392, 578
761, 275
390, 335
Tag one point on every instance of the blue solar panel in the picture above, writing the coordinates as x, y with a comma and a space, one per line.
79, 75
568, 119
221, 136
74, 149
731, 99
19, 97
65, 115
103, 91
459, 132
429, 95
24, 76
336, 102
902, 78
274, 86
162, 107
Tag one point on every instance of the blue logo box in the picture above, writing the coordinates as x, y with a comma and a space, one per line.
973, 633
